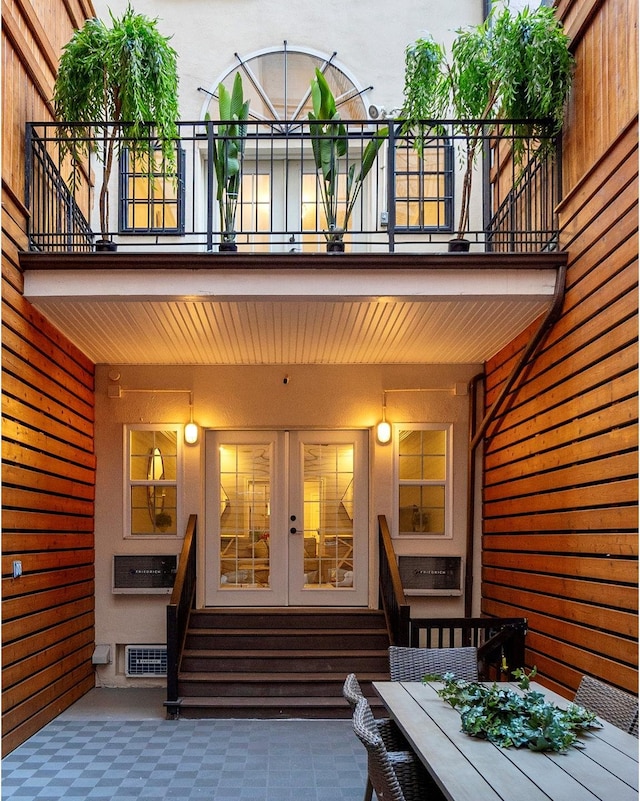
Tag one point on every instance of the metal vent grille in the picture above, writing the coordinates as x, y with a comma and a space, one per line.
145, 660
431, 575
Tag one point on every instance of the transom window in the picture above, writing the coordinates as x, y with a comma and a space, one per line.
277, 84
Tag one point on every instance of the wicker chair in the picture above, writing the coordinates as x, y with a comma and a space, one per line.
411, 664
391, 735
390, 774
393, 739
611, 704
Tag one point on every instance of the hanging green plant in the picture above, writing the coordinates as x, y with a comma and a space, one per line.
510, 719
515, 66
117, 87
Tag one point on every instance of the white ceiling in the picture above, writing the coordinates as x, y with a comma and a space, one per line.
250, 317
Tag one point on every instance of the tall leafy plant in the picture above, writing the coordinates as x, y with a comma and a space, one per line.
228, 152
511, 66
329, 142
121, 83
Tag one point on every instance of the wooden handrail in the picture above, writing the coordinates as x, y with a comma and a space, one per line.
392, 597
178, 610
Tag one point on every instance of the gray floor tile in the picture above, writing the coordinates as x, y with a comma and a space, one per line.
219, 760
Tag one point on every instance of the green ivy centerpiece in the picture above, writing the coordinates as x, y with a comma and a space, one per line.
510, 719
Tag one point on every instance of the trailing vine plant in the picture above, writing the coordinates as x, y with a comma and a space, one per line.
510, 719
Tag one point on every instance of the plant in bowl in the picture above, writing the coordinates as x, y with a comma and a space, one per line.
330, 145
117, 87
512, 66
163, 520
228, 152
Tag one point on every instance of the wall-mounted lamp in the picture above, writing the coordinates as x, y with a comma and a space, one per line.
191, 430
383, 429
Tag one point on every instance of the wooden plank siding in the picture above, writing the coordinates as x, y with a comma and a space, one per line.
48, 475
560, 522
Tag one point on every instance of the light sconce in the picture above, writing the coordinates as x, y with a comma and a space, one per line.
383, 429
191, 429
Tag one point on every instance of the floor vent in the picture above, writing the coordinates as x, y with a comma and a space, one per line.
145, 660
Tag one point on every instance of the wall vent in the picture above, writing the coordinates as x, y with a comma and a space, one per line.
145, 660
431, 575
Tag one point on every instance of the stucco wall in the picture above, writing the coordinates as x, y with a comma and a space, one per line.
256, 397
369, 40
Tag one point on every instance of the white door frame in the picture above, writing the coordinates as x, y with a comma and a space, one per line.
286, 584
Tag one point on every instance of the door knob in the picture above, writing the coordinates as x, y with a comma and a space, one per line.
293, 530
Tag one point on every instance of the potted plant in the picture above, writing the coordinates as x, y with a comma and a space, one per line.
117, 87
511, 66
330, 147
163, 521
228, 152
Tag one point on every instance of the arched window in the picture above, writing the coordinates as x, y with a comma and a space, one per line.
277, 82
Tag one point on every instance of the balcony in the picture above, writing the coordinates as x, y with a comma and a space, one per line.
408, 202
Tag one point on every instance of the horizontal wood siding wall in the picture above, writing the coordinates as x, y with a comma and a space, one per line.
560, 487
48, 471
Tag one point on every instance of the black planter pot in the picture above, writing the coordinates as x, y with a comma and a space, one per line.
227, 247
105, 246
335, 246
459, 245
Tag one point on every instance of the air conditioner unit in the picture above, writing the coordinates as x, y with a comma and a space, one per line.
431, 575
148, 574
145, 660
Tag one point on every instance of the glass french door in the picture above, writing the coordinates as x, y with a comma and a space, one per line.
286, 518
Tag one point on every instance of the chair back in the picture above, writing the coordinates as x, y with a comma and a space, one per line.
380, 767
411, 664
351, 690
609, 703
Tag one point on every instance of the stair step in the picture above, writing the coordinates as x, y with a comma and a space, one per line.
243, 707
267, 685
279, 663
272, 639
303, 618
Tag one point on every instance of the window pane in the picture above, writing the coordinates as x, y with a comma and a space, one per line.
151, 194
245, 515
422, 509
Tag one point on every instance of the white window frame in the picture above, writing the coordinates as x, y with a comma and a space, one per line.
447, 483
129, 483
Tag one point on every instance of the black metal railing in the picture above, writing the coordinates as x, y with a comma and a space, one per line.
179, 609
500, 641
408, 202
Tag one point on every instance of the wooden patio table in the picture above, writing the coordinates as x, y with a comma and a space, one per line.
472, 769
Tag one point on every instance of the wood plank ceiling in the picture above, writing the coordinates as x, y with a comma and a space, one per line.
249, 317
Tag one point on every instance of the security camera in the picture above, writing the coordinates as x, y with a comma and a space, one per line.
376, 112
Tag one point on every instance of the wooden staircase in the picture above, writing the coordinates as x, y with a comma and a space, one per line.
279, 663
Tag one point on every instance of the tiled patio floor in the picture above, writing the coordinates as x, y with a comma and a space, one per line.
99, 755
